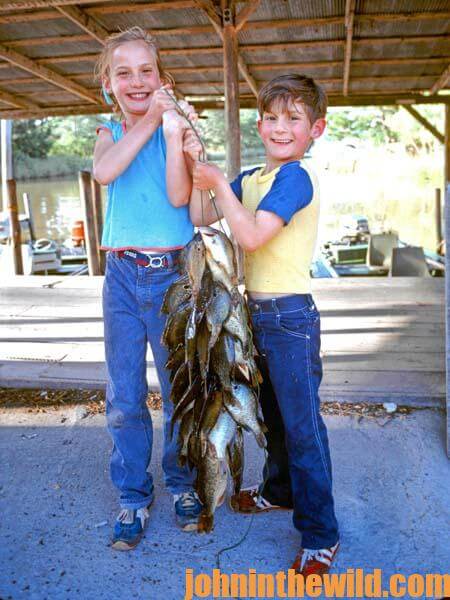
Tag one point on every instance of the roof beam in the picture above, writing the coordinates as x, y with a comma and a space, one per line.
245, 13
381, 99
441, 82
16, 101
349, 18
180, 4
30, 4
23, 62
423, 121
216, 22
83, 20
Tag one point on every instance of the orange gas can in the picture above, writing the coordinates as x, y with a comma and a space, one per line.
78, 233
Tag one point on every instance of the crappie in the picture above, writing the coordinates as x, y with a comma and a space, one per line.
242, 404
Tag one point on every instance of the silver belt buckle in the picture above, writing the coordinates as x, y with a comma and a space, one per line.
156, 262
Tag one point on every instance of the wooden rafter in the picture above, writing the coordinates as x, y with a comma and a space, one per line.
23, 62
423, 121
17, 101
441, 82
83, 20
318, 64
209, 8
30, 4
381, 99
349, 18
243, 16
180, 4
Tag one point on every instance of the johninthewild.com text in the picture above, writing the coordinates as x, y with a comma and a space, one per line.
353, 583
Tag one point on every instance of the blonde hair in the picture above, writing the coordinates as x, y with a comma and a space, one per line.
134, 34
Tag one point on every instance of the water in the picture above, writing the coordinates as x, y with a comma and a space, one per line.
55, 205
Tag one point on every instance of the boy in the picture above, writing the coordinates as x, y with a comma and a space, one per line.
273, 214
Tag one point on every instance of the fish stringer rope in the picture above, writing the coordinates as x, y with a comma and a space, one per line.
202, 158
249, 526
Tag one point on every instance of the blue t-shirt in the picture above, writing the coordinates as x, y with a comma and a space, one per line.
291, 190
139, 214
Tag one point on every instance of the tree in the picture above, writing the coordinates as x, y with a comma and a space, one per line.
32, 138
75, 135
365, 123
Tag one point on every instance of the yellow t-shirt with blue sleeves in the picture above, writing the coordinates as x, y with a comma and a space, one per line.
291, 192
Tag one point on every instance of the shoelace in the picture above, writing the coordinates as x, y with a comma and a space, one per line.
188, 499
324, 556
126, 515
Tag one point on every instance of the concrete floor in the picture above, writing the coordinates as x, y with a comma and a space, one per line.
392, 490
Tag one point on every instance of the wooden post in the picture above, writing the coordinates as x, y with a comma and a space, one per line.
6, 152
232, 123
231, 86
447, 310
16, 237
98, 214
447, 267
84, 179
29, 215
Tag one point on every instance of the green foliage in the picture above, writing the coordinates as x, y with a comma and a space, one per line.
212, 130
75, 135
371, 123
32, 138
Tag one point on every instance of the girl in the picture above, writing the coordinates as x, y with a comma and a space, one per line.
146, 225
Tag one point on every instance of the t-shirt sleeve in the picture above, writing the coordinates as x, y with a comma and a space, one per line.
104, 127
291, 190
236, 184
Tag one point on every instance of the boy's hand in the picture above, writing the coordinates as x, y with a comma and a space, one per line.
191, 145
207, 176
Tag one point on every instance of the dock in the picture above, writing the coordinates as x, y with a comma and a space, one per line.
382, 338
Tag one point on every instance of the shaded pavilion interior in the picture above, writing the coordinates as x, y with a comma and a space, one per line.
364, 52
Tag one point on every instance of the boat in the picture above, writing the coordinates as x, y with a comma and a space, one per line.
359, 253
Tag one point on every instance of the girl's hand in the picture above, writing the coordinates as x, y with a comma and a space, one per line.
160, 102
175, 123
191, 145
207, 176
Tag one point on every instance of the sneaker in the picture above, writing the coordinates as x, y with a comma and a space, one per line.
249, 500
187, 510
129, 528
314, 562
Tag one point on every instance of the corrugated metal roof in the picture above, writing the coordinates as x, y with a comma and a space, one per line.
397, 45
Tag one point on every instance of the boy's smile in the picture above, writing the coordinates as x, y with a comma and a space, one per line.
287, 132
134, 77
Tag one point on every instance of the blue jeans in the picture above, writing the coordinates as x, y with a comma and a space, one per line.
297, 472
132, 298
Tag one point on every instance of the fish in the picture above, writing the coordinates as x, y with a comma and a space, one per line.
220, 257
242, 405
217, 312
212, 369
174, 331
177, 294
235, 453
223, 360
238, 325
195, 260
211, 484
176, 358
222, 434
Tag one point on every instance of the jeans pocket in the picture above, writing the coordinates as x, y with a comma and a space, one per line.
295, 324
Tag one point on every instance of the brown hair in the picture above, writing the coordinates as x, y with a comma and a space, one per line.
133, 34
297, 88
